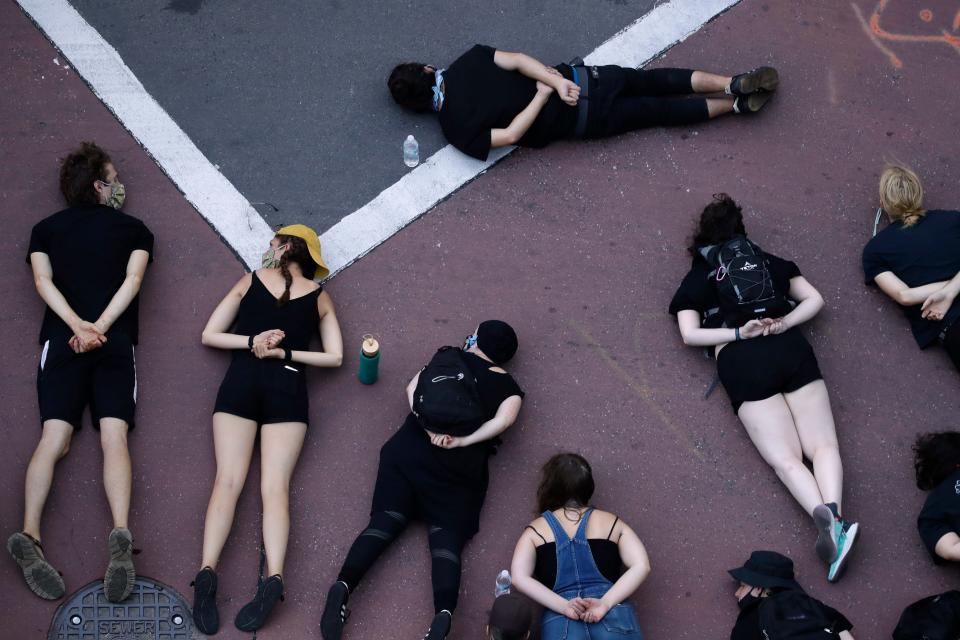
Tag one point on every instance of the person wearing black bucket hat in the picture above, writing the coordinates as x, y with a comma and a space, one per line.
773, 604
436, 476
509, 618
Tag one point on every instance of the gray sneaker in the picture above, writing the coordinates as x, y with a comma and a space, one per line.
828, 533
120, 576
41, 577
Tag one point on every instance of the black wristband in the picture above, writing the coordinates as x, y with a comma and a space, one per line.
250, 342
287, 355
736, 332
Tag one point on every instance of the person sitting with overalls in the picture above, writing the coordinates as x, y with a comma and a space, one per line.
488, 98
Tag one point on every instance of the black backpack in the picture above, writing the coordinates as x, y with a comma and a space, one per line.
446, 399
933, 618
745, 286
793, 615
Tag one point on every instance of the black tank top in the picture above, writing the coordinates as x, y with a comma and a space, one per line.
299, 318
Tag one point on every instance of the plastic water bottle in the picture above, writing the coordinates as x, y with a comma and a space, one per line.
411, 151
503, 583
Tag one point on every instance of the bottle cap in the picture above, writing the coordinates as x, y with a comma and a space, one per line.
370, 346
410, 138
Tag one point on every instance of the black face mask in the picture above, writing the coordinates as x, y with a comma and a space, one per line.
748, 601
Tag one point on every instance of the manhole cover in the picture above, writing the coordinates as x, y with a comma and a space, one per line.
153, 611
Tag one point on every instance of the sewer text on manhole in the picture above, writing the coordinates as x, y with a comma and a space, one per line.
153, 611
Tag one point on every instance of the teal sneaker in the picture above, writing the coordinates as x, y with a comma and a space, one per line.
828, 533
848, 538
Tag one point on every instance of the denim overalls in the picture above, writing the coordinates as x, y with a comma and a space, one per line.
578, 576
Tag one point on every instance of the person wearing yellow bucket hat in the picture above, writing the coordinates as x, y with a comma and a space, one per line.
268, 320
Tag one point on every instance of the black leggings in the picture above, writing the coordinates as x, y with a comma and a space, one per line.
384, 527
637, 100
951, 342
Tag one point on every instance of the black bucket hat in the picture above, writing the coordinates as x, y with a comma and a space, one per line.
497, 340
767, 569
510, 616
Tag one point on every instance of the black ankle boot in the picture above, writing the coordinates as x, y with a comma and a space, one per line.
335, 612
206, 618
254, 614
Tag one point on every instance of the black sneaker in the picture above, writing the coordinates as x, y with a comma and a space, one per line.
41, 577
205, 615
335, 612
440, 626
120, 576
254, 614
751, 103
760, 79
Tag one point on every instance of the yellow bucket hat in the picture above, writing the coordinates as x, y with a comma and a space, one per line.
309, 236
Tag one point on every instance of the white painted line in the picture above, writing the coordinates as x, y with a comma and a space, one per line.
448, 169
225, 208
217, 200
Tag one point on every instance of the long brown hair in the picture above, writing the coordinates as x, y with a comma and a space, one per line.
296, 252
566, 480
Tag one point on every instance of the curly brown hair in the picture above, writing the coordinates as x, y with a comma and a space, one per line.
719, 221
79, 170
936, 456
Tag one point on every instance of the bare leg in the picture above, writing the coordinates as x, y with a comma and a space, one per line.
719, 106
280, 446
703, 82
233, 440
770, 426
54, 444
117, 474
810, 406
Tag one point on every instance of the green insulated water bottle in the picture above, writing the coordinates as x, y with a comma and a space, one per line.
369, 360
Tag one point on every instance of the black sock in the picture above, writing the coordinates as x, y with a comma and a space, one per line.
834, 509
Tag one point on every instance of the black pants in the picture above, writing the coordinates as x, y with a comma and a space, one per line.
951, 342
384, 527
623, 99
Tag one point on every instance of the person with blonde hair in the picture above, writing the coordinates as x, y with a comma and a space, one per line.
916, 261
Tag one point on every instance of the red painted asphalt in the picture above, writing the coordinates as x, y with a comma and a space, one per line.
580, 246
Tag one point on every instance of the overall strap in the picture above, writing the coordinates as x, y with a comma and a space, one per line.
559, 535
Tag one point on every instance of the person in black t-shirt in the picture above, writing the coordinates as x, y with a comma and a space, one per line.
771, 374
768, 574
937, 465
437, 478
916, 261
488, 98
88, 263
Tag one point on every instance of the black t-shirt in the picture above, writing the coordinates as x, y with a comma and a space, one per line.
480, 96
699, 293
747, 626
940, 514
89, 247
929, 251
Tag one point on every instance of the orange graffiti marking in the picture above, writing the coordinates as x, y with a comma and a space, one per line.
878, 33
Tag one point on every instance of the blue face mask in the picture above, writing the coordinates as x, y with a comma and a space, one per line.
471, 341
437, 93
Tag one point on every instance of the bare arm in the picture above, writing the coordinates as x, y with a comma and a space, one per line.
898, 290
809, 303
505, 417
411, 387
696, 336
332, 354
215, 333
635, 559
521, 570
846, 635
136, 268
522, 122
88, 333
948, 546
937, 304
568, 90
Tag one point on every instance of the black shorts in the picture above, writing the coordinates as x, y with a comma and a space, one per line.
105, 379
265, 391
760, 368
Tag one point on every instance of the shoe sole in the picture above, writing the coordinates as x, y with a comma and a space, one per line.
39, 574
838, 565
826, 546
331, 625
120, 576
761, 79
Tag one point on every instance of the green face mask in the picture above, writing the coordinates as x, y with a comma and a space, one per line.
271, 257
118, 194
